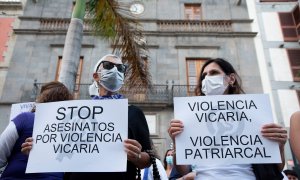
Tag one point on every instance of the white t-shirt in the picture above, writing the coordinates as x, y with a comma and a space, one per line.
161, 169
225, 172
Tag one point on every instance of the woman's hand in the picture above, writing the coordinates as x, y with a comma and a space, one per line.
176, 127
133, 149
275, 132
135, 155
27, 146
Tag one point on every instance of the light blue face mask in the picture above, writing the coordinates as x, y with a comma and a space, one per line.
169, 160
112, 80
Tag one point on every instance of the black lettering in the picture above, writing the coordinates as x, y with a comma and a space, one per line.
111, 126
188, 152
245, 153
265, 154
38, 137
203, 108
214, 151
211, 119
238, 151
59, 112
97, 112
194, 142
53, 137
197, 153
252, 104
80, 110
192, 108
221, 105
246, 142
46, 128
237, 104
56, 148
72, 108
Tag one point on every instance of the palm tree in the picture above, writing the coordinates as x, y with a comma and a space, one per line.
111, 20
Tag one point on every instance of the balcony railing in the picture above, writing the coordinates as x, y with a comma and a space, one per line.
158, 94
195, 26
183, 90
55, 24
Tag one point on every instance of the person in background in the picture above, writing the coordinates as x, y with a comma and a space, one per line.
168, 161
19, 129
218, 77
108, 74
291, 174
295, 134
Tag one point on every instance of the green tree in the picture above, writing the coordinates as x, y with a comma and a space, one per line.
112, 21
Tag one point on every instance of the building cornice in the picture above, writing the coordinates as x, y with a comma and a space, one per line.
220, 28
10, 5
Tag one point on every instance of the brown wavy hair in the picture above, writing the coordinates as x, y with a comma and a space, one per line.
227, 68
54, 91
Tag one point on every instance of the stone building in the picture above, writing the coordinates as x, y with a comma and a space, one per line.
9, 12
180, 35
278, 50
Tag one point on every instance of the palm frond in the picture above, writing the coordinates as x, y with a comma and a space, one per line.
111, 19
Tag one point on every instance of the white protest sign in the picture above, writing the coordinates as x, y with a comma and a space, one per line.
224, 129
80, 136
18, 108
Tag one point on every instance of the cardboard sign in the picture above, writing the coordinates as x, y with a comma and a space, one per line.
224, 129
80, 136
18, 108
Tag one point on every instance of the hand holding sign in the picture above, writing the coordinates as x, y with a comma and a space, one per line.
133, 149
176, 127
226, 128
275, 132
79, 131
27, 146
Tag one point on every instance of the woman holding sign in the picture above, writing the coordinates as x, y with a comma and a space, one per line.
21, 128
218, 77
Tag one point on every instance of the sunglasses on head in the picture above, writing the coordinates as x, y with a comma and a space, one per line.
109, 65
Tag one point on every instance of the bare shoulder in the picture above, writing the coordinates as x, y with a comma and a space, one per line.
295, 118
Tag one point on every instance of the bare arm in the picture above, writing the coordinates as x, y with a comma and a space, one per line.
176, 127
295, 134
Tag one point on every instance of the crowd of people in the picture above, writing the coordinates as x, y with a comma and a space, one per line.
217, 77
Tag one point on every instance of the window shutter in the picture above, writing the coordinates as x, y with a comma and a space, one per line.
296, 14
192, 11
294, 57
288, 26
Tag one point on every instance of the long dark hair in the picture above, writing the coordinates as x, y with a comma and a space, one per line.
153, 156
235, 88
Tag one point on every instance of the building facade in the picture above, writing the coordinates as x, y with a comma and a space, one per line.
9, 12
278, 51
180, 34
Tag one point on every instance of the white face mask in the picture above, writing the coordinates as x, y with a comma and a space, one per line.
214, 85
112, 80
